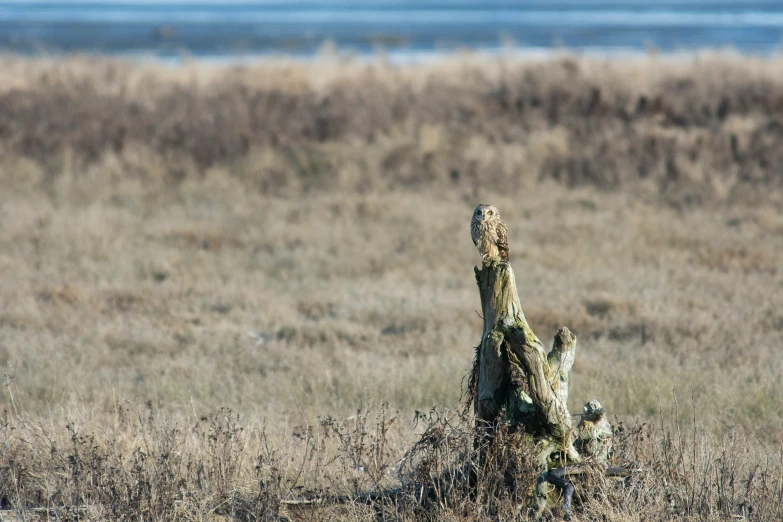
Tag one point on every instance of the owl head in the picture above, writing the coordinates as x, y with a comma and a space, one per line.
486, 212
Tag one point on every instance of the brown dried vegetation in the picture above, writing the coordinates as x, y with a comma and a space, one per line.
291, 241
694, 131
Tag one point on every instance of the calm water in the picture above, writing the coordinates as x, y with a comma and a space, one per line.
234, 28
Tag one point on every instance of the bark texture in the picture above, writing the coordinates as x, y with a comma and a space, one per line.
516, 377
518, 382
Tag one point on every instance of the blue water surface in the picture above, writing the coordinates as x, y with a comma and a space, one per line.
233, 28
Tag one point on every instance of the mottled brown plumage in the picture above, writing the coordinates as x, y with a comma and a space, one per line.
489, 233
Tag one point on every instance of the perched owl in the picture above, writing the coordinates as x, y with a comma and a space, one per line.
489, 233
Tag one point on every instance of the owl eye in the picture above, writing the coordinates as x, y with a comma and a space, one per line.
489, 213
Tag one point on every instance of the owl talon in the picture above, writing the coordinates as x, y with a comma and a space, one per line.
489, 260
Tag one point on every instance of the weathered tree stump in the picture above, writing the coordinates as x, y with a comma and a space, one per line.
514, 382
516, 377
520, 384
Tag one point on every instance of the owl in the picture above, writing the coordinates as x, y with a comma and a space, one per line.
489, 233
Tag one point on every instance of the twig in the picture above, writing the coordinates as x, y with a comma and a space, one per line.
367, 498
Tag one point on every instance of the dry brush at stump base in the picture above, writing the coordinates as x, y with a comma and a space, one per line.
517, 383
520, 445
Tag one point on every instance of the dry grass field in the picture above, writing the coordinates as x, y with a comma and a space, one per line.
207, 271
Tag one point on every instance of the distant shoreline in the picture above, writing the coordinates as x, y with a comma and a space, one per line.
330, 53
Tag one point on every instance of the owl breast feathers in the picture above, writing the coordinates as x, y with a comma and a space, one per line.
489, 233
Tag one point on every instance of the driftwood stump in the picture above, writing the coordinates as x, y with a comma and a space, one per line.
514, 382
519, 383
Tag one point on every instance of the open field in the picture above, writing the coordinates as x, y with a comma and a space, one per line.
291, 241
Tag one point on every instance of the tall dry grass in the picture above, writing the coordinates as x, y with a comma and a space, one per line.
694, 130
290, 241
